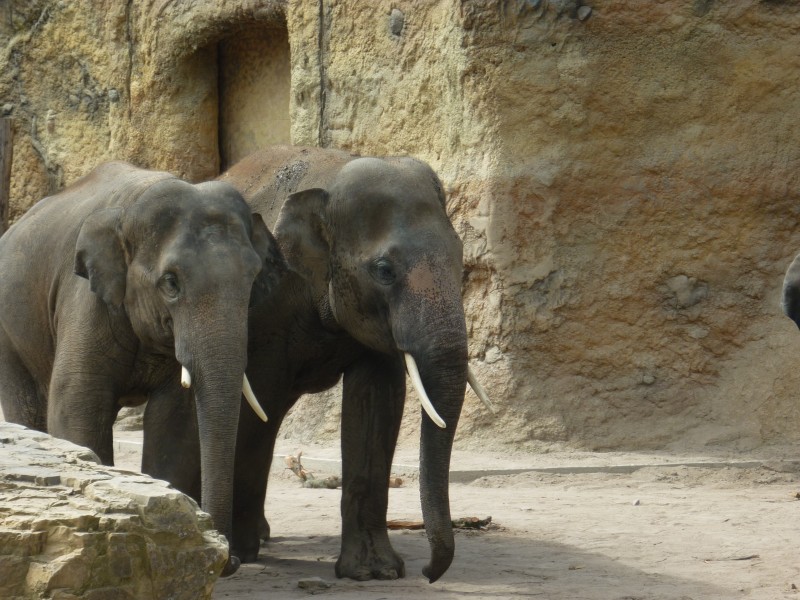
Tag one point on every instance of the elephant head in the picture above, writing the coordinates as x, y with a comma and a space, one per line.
386, 266
182, 263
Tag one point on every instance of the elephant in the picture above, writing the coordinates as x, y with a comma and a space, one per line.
373, 289
115, 285
790, 301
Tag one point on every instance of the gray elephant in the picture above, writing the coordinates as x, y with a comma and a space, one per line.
112, 288
374, 289
790, 302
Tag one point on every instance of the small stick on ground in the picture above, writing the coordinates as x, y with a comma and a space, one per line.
295, 466
463, 523
330, 483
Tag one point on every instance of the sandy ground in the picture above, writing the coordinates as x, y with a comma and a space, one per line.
568, 526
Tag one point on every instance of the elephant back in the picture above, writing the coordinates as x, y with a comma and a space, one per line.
51, 226
268, 177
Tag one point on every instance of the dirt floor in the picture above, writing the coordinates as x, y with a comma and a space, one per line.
568, 526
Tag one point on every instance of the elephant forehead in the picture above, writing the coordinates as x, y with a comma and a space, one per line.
215, 226
185, 224
203, 259
208, 239
376, 215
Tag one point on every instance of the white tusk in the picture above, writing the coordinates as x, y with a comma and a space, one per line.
251, 399
186, 379
413, 372
479, 391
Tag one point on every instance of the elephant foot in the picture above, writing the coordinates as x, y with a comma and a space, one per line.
247, 540
369, 562
231, 566
246, 554
246, 548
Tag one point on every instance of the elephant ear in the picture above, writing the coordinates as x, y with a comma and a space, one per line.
100, 257
302, 233
273, 264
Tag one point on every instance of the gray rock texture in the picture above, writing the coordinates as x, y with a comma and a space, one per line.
71, 528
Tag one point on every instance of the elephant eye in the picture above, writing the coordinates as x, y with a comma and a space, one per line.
383, 271
168, 284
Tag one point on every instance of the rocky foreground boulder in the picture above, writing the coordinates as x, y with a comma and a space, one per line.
71, 528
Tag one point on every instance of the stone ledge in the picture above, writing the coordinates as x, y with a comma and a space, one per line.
71, 528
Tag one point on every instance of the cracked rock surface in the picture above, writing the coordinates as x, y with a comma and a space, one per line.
72, 528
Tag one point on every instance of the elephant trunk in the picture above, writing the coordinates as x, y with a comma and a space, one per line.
442, 364
216, 361
445, 384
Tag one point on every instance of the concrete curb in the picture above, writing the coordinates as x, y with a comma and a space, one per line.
334, 466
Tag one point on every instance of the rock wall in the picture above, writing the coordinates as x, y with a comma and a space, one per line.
70, 528
624, 176
254, 76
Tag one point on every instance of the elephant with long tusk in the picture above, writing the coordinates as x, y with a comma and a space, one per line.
373, 293
111, 284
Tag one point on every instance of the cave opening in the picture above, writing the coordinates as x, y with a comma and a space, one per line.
254, 82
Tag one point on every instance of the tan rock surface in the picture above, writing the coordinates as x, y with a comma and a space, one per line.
70, 528
625, 179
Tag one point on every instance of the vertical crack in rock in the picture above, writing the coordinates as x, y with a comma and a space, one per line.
129, 40
322, 51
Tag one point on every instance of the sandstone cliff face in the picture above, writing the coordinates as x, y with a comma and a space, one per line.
624, 176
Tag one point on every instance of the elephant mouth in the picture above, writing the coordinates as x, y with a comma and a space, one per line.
427, 405
186, 382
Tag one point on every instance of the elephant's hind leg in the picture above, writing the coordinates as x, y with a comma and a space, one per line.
254, 451
19, 395
372, 407
171, 449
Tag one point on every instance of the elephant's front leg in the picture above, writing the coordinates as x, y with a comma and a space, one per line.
372, 407
81, 404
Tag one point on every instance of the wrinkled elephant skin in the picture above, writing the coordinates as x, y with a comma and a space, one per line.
109, 287
376, 275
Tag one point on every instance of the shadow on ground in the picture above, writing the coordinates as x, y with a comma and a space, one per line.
510, 567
